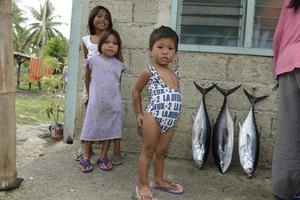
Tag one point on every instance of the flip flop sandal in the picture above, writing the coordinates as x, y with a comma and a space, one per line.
175, 188
117, 160
86, 165
79, 157
123, 155
140, 196
103, 164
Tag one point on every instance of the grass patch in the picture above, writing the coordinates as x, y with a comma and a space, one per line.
31, 107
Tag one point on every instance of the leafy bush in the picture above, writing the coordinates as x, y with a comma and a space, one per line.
52, 84
52, 63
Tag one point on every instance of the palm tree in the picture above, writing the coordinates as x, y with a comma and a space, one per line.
45, 26
20, 36
44, 29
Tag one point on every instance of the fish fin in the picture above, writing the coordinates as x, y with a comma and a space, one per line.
224, 140
248, 141
234, 119
227, 92
202, 89
254, 99
209, 88
260, 98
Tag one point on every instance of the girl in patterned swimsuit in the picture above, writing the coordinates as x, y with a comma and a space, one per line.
161, 113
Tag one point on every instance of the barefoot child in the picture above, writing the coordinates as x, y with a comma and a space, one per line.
103, 119
158, 119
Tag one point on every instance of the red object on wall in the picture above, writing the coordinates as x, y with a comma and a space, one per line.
47, 71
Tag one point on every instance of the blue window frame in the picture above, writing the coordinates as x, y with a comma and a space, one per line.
226, 26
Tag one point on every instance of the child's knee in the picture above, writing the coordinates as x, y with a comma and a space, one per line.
161, 151
149, 151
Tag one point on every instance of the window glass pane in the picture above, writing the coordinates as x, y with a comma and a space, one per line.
266, 17
210, 22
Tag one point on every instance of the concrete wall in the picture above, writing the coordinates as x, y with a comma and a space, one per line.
135, 19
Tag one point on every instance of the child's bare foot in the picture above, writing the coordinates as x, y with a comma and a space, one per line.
144, 193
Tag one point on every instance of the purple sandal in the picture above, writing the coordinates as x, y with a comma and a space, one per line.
104, 164
86, 165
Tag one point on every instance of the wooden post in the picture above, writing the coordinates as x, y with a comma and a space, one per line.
8, 174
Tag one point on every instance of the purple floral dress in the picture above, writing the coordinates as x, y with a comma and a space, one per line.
103, 118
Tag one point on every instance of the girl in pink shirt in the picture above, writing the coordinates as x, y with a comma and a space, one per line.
286, 155
286, 43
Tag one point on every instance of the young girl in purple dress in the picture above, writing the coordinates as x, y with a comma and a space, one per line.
103, 119
100, 21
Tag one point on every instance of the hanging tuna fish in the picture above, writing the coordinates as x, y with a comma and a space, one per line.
201, 133
249, 139
223, 134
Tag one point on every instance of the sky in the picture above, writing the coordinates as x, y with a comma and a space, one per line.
63, 8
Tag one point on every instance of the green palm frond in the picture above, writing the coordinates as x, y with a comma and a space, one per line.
45, 27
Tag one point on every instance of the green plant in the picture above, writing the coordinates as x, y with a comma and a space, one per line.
52, 63
53, 111
52, 84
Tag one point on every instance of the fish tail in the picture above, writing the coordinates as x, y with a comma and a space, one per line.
202, 89
254, 99
227, 92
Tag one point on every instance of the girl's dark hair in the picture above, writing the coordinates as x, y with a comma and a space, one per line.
105, 36
294, 4
163, 32
93, 14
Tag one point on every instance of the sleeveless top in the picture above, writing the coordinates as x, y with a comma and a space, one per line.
91, 47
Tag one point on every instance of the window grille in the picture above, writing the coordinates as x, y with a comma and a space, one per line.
235, 25
265, 20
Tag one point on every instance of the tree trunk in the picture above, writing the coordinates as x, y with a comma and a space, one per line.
8, 174
19, 66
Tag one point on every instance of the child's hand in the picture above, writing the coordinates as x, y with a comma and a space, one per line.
139, 119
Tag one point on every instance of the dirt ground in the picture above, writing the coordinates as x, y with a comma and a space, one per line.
33, 141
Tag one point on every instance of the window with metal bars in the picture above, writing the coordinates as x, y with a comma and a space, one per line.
227, 26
